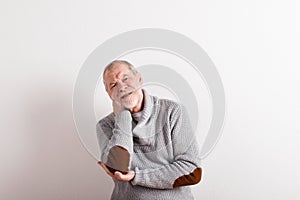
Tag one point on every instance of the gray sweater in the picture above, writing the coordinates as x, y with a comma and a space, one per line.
158, 144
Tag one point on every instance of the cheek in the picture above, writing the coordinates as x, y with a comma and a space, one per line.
113, 94
134, 83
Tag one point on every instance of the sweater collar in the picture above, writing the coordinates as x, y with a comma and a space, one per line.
143, 115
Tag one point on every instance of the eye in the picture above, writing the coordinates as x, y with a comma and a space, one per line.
125, 79
113, 85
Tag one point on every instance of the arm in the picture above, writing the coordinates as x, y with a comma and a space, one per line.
116, 143
185, 169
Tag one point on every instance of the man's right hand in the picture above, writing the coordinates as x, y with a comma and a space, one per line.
117, 107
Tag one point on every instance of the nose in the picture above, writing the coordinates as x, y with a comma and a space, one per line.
121, 87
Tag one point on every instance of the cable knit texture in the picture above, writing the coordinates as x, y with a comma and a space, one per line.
162, 147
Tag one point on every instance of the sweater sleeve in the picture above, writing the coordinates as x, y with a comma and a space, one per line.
115, 142
185, 168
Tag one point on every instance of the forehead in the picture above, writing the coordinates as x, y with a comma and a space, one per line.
116, 71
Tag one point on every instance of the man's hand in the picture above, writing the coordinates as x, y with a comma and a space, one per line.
118, 175
117, 107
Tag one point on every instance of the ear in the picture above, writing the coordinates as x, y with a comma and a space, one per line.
140, 78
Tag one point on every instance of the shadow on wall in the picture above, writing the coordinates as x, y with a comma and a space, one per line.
54, 163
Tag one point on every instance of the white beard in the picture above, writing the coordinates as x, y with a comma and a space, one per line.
132, 100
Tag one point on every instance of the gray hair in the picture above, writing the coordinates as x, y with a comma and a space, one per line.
117, 62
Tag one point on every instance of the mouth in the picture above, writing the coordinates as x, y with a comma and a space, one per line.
126, 95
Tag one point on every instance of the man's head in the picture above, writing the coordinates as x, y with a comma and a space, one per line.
123, 83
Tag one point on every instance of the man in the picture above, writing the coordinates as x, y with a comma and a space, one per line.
147, 144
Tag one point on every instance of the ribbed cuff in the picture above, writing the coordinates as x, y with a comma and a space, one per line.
123, 121
137, 178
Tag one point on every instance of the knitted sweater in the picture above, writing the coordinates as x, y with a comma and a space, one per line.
158, 144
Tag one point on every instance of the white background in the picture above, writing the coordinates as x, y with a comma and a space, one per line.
255, 46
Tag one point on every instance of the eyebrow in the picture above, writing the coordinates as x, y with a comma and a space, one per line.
117, 75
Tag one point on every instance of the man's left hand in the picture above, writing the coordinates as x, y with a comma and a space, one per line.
118, 175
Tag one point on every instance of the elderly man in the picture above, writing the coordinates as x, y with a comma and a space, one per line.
147, 144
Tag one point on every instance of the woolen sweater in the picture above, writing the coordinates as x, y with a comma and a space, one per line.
158, 143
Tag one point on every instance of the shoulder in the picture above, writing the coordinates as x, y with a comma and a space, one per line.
169, 108
170, 105
107, 121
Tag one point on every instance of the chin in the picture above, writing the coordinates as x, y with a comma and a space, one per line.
130, 105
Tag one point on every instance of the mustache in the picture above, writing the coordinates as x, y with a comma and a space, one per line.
128, 92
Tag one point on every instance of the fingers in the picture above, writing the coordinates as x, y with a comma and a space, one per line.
117, 107
116, 103
118, 175
106, 169
124, 177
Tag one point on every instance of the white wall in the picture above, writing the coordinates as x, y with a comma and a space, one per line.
254, 44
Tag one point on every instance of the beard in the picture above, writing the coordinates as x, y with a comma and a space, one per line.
131, 99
